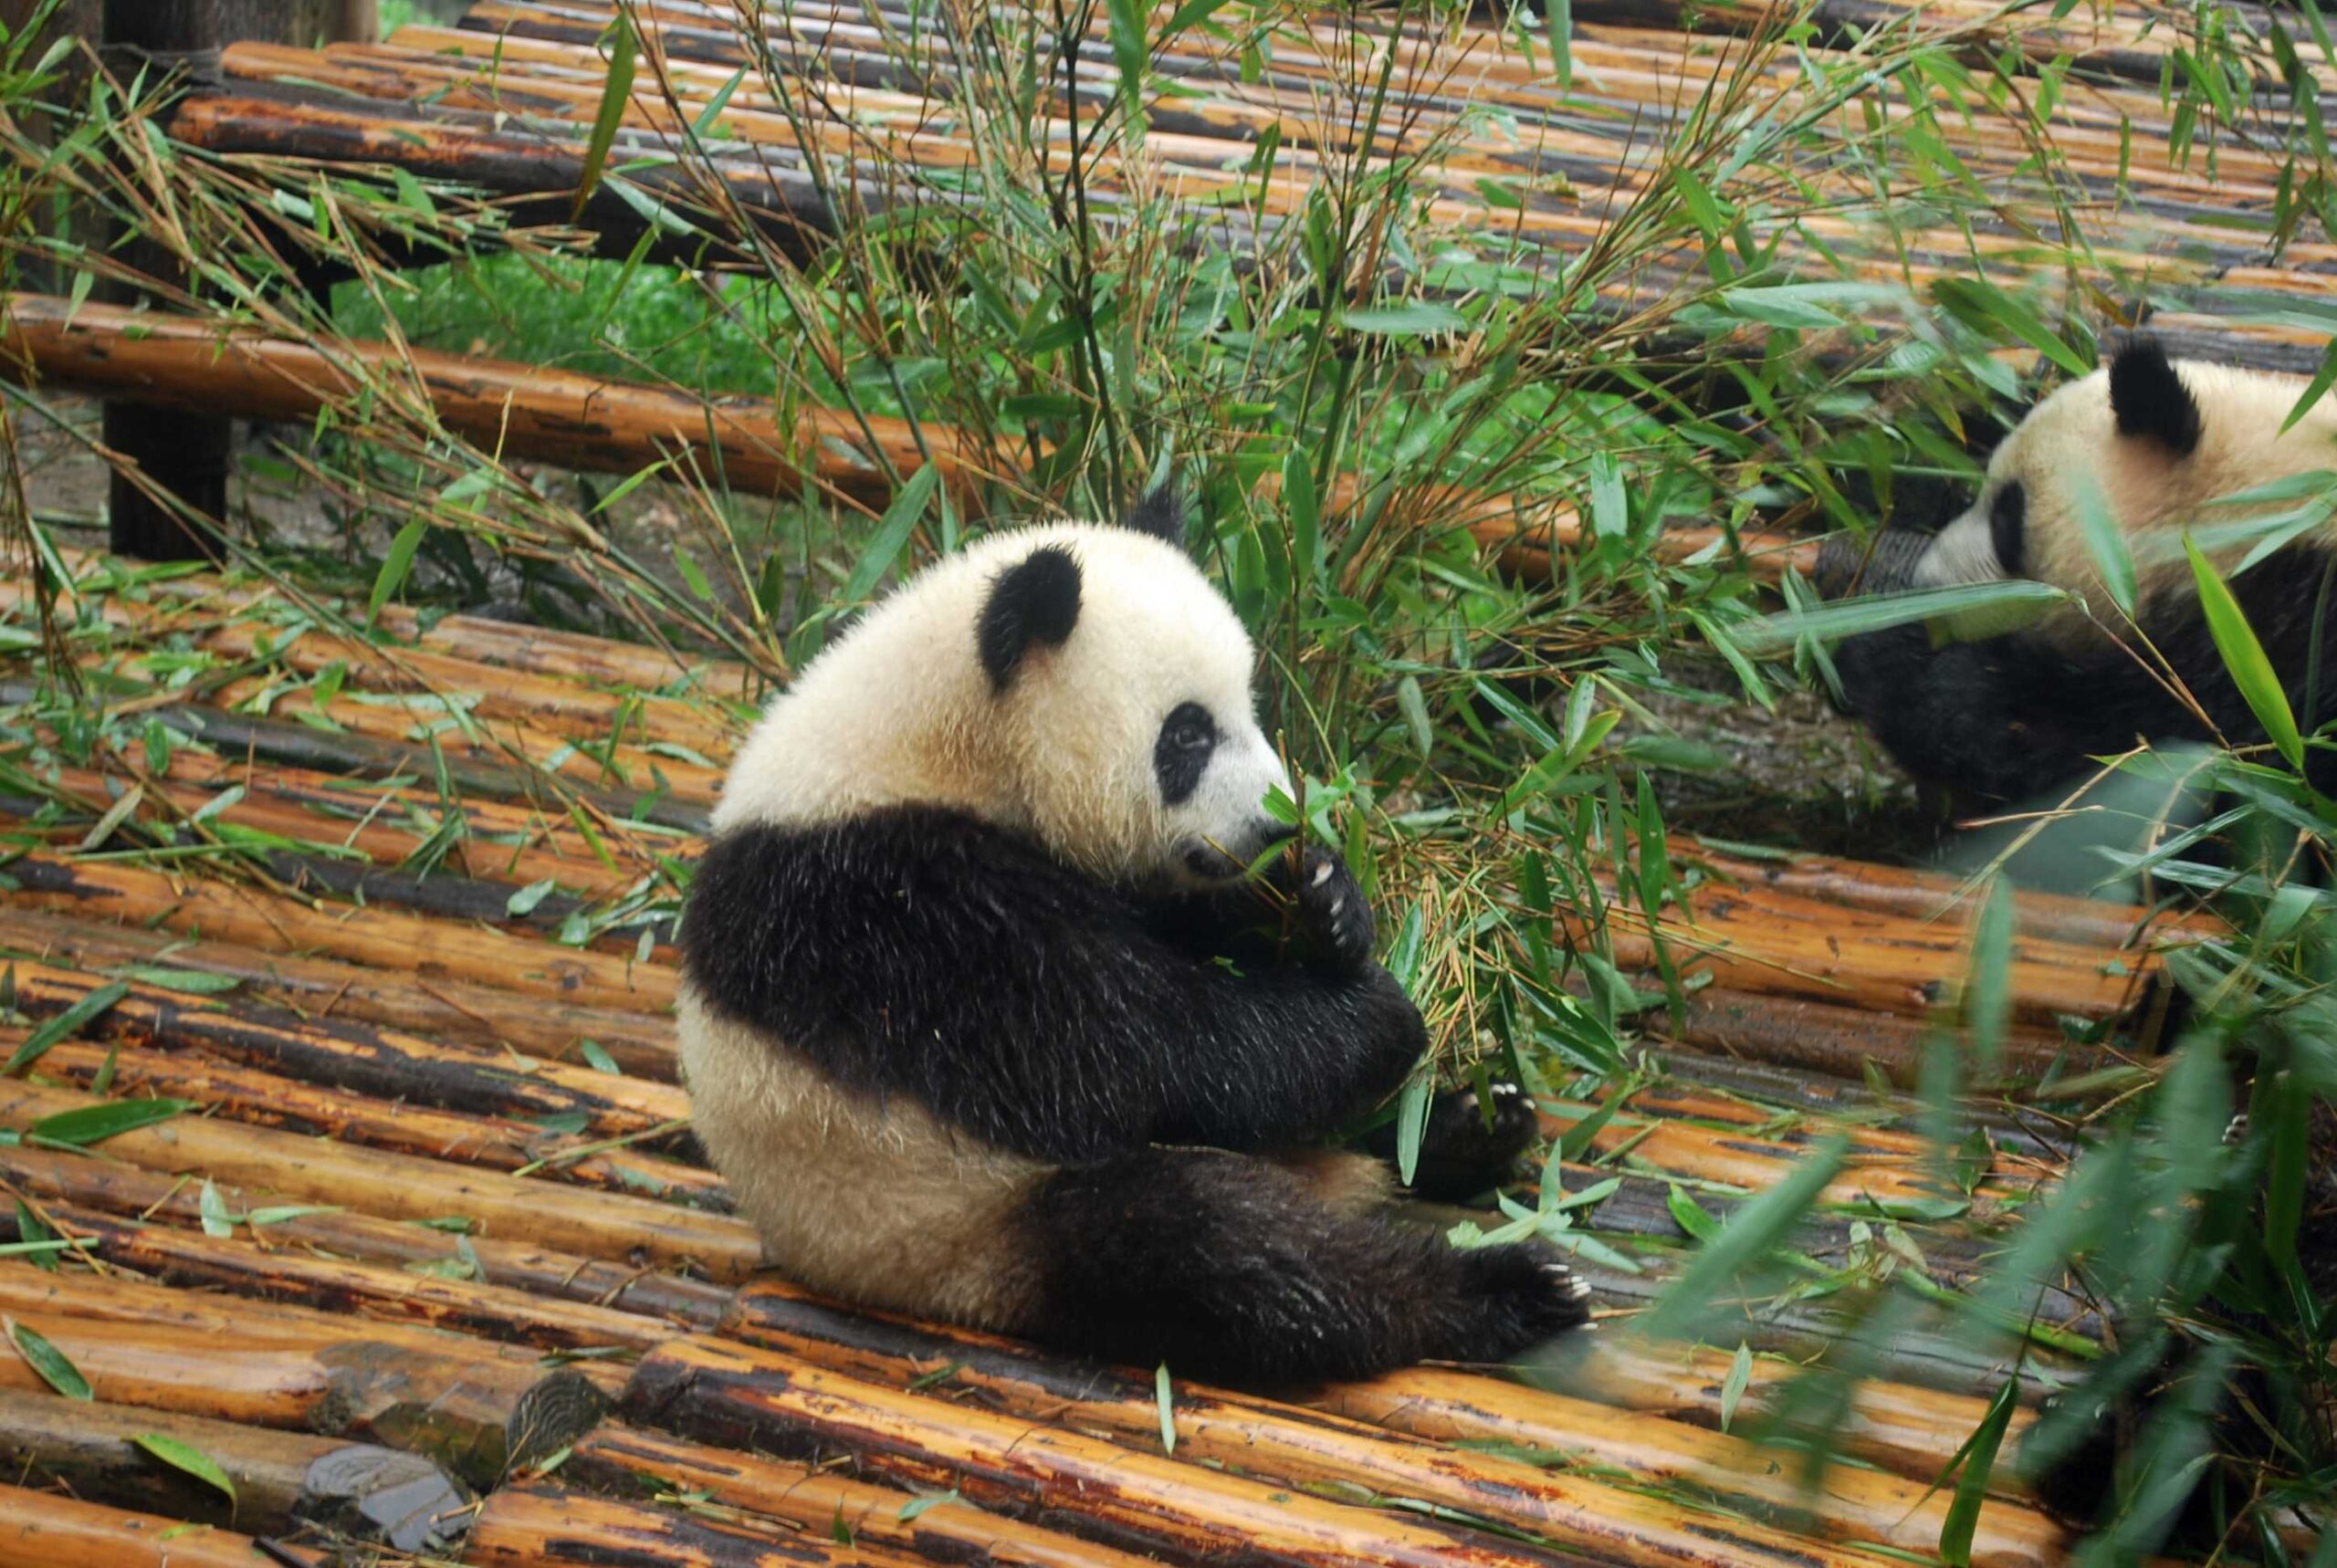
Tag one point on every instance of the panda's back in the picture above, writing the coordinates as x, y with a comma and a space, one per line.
875, 1200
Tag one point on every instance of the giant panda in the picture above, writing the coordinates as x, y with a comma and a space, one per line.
2010, 716
2019, 715
983, 1021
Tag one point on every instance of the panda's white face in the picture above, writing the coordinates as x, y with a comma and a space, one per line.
1084, 684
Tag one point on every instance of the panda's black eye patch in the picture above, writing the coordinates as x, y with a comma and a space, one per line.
1181, 755
2008, 526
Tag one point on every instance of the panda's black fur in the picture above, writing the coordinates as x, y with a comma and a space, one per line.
1141, 1071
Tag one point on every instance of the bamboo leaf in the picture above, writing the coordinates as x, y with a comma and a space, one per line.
1971, 1485
2322, 380
47, 1361
1746, 1236
597, 1056
116, 814
216, 1219
87, 1124
1414, 318
2244, 657
1880, 613
2104, 540
523, 902
1732, 1389
185, 1457
1988, 985
63, 1025
1984, 305
1557, 16
1163, 1396
892, 533
394, 565
1412, 1125
30, 1230
615, 95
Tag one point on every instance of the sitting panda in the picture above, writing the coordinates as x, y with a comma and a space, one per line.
2009, 717
981, 1020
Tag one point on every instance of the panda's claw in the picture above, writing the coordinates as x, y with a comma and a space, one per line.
1323, 873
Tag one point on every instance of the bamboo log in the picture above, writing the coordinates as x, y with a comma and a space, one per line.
282, 1480
83, 1183
522, 411
382, 939
320, 989
740, 1395
617, 1458
610, 1226
538, 1525
1287, 1443
238, 1267
264, 1099
42, 1529
449, 1397
359, 1058
1845, 1042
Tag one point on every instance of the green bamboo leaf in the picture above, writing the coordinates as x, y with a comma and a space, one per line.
2322, 380
30, 1230
2243, 655
1747, 1235
184, 1457
87, 1124
1163, 1396
1732, 1390
1131, 53
1414, 318
1988, 984
1411, 1124
618, 91
1984, 305
217, 1219
597, 1056
47, 1361
2006, 602
1691, 1215
64, 1025
892, 534
394, 565
1306, 515
1971, 1485
1558, 18
2104, 540
522, 903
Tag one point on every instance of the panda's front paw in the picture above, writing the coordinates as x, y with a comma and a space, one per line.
1460, 1157
1333, 918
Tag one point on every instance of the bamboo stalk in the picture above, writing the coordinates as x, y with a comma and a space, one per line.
449, 1397
610, 1226
539, 1525
83, 1183
320, 989
736, 1394
1287, 1443
42, 1529
616, 1458
1845, 1042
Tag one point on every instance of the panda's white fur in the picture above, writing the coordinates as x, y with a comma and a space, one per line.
2152, 495
970, 966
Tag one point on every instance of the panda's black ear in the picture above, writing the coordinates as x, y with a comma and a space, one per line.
1034, 600
2149, 399
1160, 513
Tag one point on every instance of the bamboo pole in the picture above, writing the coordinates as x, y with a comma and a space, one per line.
737, 1395
43, 1530
539, 1525
83, 1183
449, 1397
615, 1457
610, 1226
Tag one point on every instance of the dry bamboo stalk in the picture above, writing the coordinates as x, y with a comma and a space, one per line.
265, 1099
615, 1457
1843, 1041
522, 411
89, 1450
319, 988
85, 1183
538, 1525
449, 1397
380, 938
42, 1529
737, 1395
1286, 1443
230, 1264
360, 1058
610, 1226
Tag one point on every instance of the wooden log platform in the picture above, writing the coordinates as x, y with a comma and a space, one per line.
403, 1210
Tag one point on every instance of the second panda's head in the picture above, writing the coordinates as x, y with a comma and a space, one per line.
1082, 683
2154, 442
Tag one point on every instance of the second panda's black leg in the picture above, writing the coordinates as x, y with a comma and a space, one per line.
1228, 1267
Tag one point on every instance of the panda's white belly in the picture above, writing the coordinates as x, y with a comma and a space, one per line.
881, 1202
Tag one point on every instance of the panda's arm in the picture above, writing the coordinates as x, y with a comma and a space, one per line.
920, 952
2010, 718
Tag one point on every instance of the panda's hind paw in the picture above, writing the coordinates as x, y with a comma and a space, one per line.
1518, 1296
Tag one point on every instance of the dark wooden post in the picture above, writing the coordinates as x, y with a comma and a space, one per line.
187, 454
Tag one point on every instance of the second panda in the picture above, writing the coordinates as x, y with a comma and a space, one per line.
977, 1020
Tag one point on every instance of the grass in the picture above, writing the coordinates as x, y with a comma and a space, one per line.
1745, 338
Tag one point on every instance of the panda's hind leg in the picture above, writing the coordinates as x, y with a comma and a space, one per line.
1236, 1269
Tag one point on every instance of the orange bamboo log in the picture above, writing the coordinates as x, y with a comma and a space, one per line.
610, 1226
43, 1530
1283, 1442
615, 1457
539, 1525
79, 1183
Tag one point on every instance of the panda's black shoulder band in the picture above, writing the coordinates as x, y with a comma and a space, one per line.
2149, 401
919, 952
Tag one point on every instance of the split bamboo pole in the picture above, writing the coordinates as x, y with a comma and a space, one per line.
43, 1530
537, 1524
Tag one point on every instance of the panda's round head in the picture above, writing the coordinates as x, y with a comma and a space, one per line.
1081, 682
2153, 443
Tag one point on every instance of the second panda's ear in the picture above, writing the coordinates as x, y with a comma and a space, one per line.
1160, 513
2149, 399
1034, 600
